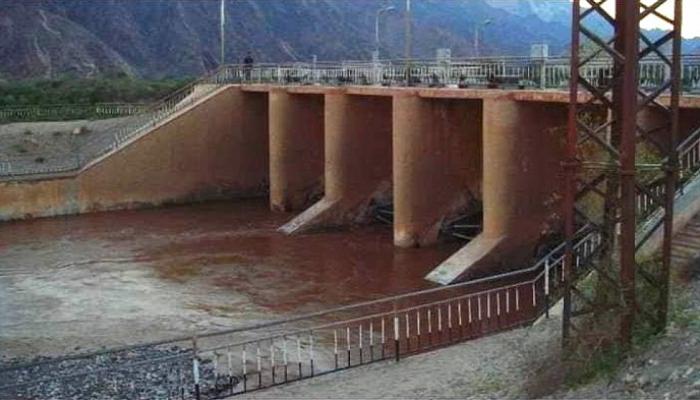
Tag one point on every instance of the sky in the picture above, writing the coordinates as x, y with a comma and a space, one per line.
691, 16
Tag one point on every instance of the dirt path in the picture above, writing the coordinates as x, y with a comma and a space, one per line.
493, 367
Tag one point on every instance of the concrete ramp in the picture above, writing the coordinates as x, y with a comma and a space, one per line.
479, 252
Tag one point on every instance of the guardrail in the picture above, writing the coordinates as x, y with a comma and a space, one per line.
533, 73
650, 196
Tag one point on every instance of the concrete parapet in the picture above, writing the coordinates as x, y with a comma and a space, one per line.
436, 164
296, 149
358, 141
523, 151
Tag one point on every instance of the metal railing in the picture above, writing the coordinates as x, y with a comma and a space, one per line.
533, 73
652, 196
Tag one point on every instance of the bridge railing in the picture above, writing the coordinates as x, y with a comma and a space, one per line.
534, 73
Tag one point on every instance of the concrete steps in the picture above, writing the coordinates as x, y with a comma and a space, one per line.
686, 243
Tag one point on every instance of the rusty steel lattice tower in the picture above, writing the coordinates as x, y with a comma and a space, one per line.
604, 173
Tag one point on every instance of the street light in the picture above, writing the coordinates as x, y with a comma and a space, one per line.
481, 26
376, 26
222, 18
409, 39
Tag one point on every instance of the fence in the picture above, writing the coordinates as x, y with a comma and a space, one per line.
533, 73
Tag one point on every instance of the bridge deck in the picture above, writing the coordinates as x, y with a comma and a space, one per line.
542, 96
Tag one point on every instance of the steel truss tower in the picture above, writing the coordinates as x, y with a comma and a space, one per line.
612, 159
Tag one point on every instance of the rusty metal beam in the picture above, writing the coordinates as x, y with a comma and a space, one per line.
617, 142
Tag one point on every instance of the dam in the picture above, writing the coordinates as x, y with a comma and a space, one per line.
278, 192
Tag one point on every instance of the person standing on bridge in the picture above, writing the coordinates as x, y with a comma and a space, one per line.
248, 66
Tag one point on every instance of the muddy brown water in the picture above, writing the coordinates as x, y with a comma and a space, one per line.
77, 283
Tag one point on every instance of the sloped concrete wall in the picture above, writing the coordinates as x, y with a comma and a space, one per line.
217, 148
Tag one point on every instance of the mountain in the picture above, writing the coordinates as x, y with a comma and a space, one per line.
548, 11
174, 38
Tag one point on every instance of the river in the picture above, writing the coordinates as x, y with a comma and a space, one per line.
78, 283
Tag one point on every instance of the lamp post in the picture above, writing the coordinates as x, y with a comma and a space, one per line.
409, 23
480, 26
376, 27
222, 18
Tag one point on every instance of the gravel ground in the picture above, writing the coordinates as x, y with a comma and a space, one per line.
123, 375
41, 138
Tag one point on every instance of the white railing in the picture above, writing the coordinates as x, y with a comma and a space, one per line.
550, 73
689, 164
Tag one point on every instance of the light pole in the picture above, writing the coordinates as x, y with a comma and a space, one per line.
376, 26
481, 26
222, 18
408, 38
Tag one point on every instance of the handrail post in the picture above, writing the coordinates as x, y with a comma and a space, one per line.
195, 368
396, 337
546, 287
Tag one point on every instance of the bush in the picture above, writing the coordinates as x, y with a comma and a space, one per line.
120, 89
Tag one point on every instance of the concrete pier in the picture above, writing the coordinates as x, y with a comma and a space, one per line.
523, 150
296, 150
437, 164
358, 148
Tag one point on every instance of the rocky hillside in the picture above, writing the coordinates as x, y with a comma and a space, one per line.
166, 38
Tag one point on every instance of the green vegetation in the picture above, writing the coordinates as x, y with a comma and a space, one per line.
120, 89
605, 361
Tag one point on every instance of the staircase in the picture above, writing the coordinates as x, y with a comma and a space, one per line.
686, 244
